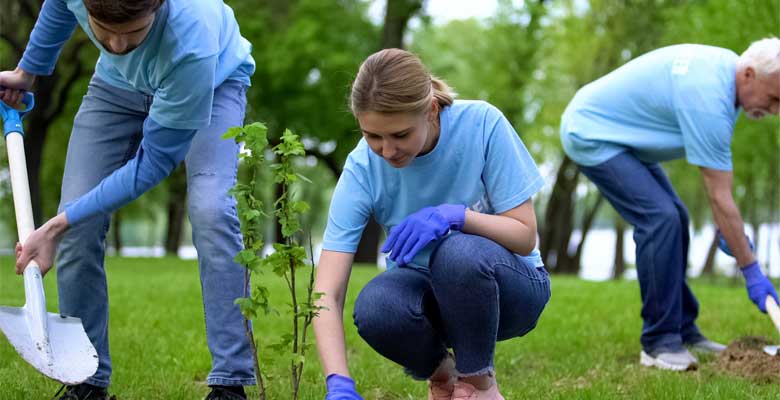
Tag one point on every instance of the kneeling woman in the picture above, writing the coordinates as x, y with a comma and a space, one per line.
453, 183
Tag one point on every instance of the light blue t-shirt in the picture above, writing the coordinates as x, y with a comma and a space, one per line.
192, 47
674, 102
478, 161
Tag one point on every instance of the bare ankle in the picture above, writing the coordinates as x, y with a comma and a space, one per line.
481, 382
445, 371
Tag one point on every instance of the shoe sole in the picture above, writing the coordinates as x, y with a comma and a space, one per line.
649, 361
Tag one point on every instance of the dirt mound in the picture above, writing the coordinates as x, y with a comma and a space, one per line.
745, 357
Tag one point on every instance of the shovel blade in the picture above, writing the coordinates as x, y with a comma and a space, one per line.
70, 357
772, 350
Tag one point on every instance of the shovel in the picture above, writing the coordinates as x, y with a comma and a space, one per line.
774, 312
54, 344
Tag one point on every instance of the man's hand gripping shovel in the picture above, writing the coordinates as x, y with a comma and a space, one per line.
55, 345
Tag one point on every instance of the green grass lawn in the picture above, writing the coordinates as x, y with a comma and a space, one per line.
585, 347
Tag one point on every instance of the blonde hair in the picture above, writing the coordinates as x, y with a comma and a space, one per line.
763, 55
396, 81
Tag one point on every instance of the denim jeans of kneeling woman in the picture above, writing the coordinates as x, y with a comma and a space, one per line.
475, 293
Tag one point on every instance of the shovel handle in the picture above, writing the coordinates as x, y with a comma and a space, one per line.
774, 311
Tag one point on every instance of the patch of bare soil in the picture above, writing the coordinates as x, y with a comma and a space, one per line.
745, 358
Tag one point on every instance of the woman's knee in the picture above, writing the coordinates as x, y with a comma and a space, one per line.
461, 258
380, 310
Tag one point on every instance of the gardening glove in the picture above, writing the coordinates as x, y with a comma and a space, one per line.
724, 247
758, 286
424, 226
341, 387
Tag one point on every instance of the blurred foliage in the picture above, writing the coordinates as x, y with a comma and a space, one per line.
528, 60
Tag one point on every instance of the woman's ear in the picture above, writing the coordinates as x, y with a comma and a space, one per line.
433, 115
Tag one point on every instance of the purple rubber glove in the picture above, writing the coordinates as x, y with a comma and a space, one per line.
724, 247
758, 286
341, 387
424, 226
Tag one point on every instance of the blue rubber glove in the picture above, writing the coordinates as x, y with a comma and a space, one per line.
424, 226
341, 387
758, 286
724, 247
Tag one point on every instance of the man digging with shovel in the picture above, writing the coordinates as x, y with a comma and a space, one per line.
171, 78
674, 102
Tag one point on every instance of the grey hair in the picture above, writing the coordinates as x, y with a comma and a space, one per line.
763, 56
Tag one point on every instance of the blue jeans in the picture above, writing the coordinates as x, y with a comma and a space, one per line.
475, 294
106, 133
642, 194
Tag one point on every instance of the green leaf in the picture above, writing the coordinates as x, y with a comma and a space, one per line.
233, 132
245, 257
251, 214
247, 307
298, 359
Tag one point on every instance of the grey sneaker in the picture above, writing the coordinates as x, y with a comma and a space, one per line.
706, 346
681, 360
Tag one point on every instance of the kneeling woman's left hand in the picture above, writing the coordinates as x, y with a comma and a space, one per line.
424, 226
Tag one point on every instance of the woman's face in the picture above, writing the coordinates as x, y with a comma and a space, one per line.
400, 137
122, 38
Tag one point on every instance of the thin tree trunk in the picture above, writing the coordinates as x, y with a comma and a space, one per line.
397, 15
709, 262
619, 265
557, 226
116, 224
177, 209
587, 223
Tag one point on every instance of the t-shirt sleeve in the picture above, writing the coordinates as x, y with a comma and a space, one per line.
707, 138
510, 174
185, 95
55, 25
350, 208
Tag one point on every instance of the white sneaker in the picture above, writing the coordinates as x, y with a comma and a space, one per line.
706, 346
681, 360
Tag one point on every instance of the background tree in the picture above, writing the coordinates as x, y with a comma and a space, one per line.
585, 45
51, 92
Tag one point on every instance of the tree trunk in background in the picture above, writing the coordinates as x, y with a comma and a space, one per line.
587, 223
397, 16
116, 226
619, 265
177, 209
709, 263
558, 223
51, 92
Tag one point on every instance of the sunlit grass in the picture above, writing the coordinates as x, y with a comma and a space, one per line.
586, 345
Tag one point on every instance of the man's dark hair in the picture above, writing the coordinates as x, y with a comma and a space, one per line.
121, 11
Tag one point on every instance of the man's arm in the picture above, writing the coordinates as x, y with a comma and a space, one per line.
161, 150
55, 25
726, 214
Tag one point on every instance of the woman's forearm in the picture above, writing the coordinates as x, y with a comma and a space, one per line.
329, 331
506, 231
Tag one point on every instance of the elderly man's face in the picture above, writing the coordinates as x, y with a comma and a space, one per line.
758, 95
